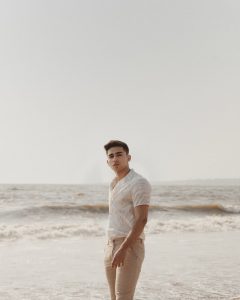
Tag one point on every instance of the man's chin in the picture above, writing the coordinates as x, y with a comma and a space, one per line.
116, 167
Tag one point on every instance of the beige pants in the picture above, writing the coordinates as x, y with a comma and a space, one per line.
123, 280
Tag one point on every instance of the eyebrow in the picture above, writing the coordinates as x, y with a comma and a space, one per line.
119, 152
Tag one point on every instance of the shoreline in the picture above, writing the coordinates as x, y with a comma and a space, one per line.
177, 266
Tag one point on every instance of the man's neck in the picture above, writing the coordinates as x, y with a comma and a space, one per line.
122, 174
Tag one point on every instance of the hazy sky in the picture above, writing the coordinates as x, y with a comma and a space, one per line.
164, 76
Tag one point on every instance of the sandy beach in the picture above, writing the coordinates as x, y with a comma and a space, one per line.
176, 266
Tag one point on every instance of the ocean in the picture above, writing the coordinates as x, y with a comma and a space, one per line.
50, 235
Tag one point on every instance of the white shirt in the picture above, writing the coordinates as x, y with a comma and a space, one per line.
129, 192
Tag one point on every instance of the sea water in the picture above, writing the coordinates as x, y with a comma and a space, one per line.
45, 230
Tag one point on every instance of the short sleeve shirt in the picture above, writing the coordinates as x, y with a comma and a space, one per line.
129, 192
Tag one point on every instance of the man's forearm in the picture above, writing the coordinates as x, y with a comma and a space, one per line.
134, 233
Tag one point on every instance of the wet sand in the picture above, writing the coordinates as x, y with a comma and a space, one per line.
177, 266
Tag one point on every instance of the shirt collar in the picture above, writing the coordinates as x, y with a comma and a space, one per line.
124, 179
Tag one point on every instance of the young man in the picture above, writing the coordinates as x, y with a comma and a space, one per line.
129, 197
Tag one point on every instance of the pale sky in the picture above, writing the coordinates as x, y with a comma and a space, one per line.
163, 76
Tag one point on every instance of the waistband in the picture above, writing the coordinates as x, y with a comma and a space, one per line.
118, 240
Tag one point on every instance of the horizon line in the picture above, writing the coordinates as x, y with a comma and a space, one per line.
103, 183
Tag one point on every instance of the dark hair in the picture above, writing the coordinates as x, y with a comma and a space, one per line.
116, 143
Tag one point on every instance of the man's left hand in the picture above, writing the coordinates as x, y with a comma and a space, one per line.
118, 258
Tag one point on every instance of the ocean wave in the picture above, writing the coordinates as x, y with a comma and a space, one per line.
51, 210
200, 208
75, 209
96, 227
50, 231
204, 224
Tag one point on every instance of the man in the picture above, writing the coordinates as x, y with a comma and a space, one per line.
129, 197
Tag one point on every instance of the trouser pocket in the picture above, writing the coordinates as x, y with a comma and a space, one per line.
108, 249
138, 250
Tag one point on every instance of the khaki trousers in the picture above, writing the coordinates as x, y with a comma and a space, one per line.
122, 280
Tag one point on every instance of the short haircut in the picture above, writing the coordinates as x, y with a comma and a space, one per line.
116, 143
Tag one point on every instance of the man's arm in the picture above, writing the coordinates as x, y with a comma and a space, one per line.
141, 216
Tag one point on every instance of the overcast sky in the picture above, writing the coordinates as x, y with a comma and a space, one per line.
163, 76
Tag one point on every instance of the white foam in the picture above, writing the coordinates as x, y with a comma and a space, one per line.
50, 231
203, 224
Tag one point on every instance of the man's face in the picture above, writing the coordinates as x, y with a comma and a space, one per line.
118, 159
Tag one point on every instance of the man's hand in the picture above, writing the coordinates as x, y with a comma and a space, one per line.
118, 258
